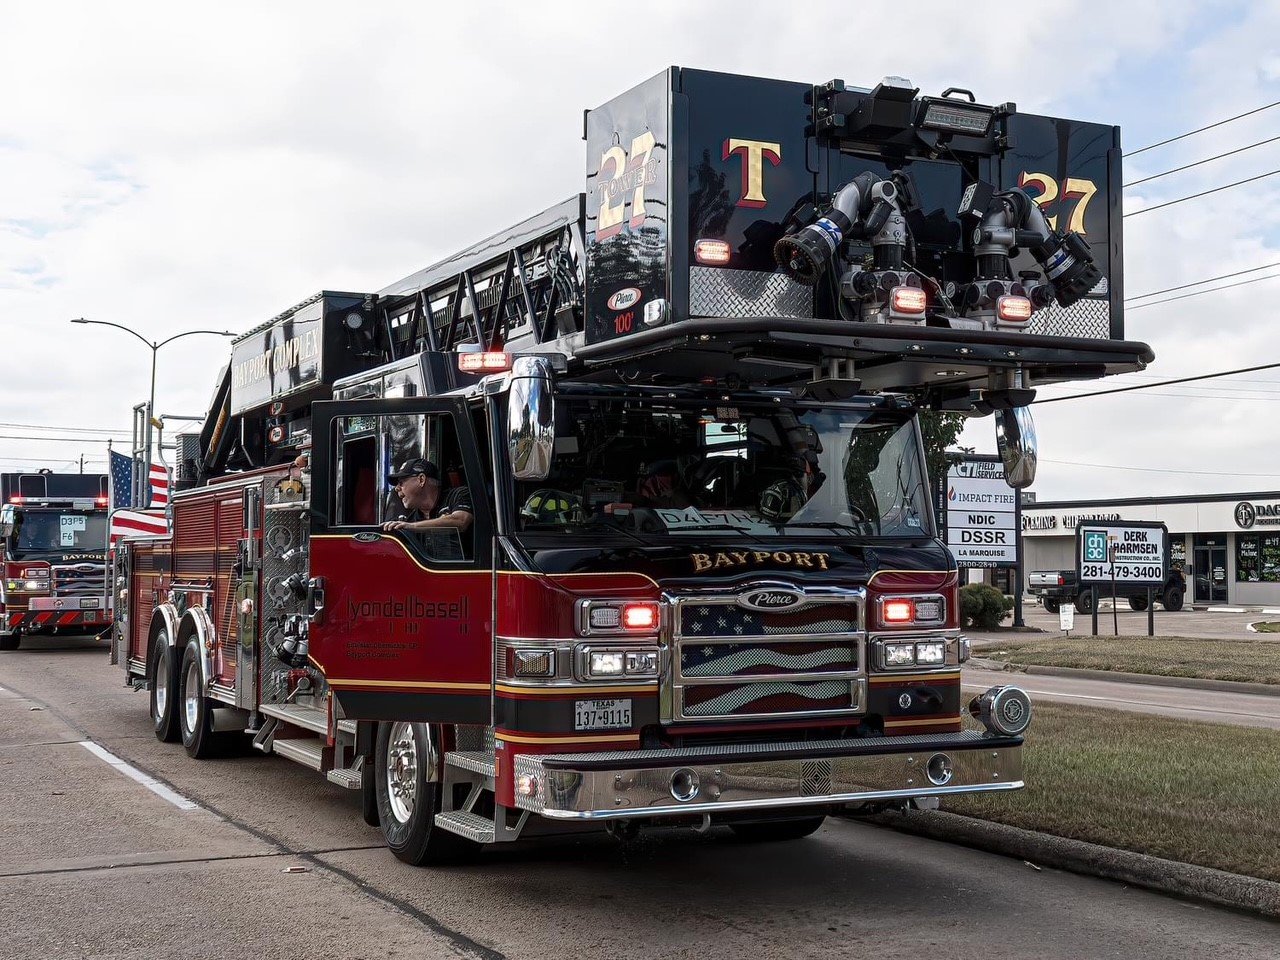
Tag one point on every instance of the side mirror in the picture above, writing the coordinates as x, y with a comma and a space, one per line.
531, 421
1016, 441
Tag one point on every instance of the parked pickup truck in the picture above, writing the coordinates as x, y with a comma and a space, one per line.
1056, 587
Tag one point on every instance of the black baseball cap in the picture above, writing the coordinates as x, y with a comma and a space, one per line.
411, 468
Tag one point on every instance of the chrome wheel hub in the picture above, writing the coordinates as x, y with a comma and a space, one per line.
191, 702
162, 682
402, 771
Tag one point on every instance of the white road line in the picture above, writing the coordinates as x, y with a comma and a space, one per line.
133, 773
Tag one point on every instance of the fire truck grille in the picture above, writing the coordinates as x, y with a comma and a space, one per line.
730, 620
79, 579
732, 661
736, 659
782, 697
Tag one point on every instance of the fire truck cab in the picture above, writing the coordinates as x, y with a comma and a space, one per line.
692, 574
53, 542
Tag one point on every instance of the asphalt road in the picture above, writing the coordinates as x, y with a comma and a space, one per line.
1213, 706
256, 857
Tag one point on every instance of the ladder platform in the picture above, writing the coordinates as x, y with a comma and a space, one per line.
477, 761
465, 824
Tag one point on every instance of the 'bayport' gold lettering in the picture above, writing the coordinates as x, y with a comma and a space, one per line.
737, 559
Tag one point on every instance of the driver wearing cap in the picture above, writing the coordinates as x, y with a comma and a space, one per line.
417, 484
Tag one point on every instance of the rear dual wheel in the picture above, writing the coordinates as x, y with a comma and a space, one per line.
164, 686
195, 715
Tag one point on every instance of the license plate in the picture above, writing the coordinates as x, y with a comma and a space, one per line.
601, 714
89, 603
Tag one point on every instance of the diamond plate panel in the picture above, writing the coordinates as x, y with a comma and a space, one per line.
719, 292
1089, 317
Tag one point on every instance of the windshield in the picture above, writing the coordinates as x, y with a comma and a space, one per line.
667, 468
58, 531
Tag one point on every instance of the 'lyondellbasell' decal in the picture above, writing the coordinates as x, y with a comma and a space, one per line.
737, 559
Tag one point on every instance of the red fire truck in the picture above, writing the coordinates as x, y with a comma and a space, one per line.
686, 569
53, 543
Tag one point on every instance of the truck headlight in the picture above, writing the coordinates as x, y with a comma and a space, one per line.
899, 654
934, 651
606, 663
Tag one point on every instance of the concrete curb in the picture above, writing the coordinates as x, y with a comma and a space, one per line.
1043, 850
1151, 680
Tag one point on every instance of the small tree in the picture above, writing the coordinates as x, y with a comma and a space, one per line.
983, 606
939, 431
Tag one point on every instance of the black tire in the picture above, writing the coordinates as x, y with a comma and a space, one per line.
777, 830
1138, 603
1053, 606
164, 690
405, 754
1173, 599
10, 641
1084, 603
195, 716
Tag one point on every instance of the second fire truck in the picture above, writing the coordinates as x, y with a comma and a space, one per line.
694, 576
53, 548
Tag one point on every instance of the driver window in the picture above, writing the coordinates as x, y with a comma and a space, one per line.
408, 469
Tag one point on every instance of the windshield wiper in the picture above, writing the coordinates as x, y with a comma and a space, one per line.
831, 525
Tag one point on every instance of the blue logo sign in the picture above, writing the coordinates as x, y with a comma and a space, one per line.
1095, 546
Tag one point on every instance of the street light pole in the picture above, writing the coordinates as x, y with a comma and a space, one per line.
142, 476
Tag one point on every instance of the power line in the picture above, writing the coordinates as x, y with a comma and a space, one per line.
1202, 193
84, 440
1188, 166
1162, 383
1197, 293
50, 426
1192, 133
1196, 473
1156, 293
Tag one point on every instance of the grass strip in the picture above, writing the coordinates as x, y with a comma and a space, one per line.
1193, 792
1249, 661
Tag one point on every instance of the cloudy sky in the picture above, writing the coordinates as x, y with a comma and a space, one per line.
171, 167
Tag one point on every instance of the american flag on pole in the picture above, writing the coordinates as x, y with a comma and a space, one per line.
127, 522
159, 484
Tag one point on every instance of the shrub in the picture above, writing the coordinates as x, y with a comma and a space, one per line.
983, 607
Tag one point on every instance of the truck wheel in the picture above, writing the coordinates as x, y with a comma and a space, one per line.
1084, 603
1138, 603
776, 830
10, 641
194, 715
407, 774
1173, 599
1052, 606
164, 690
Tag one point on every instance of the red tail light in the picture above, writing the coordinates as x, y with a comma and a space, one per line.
711, 251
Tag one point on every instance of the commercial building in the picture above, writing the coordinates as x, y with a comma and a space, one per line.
1227, 544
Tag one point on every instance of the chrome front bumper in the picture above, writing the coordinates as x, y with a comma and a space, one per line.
702, 780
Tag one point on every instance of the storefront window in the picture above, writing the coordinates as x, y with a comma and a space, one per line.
1258, 558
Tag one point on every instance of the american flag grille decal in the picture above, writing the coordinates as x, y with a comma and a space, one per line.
80, 580
721, 700
730, 620
735, 659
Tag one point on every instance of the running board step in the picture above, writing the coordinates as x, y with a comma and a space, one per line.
477, 761
263, 738
469, 825
309, 752
349, 778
